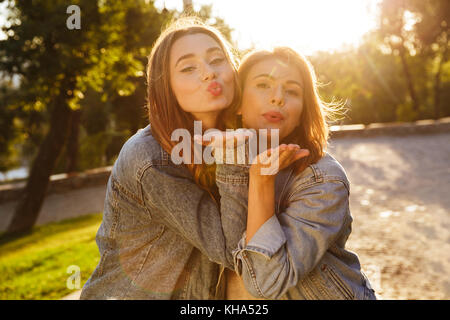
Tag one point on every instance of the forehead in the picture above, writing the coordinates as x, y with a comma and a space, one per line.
196, 44
275, 68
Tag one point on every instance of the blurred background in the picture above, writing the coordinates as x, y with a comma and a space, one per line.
69, 99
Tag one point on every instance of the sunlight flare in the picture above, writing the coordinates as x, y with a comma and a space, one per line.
307, 26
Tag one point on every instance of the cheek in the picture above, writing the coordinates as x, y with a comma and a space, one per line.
228, 80
177, 88
294, 113
297, 116
227, 74
183, 85
185, 90
256, 100
230, 83
249, 104
251, 108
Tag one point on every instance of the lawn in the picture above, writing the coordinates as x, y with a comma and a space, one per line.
34, 266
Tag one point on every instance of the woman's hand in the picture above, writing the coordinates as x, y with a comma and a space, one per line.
267, 164
227, 147
224, 139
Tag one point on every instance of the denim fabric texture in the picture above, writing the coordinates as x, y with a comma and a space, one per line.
299, 253
162, 236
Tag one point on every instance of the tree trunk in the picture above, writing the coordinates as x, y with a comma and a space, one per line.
437, 84
409, 80
72, 142
27, 211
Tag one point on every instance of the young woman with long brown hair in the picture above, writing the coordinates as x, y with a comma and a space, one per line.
298, 218
163, 235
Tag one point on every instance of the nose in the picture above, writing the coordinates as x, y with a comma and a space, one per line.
277, 98
208, 73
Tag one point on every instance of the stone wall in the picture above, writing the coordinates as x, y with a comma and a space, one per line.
394, 128
60, 183
68, 196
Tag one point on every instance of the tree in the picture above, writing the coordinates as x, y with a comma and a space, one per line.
433, 33
395, 34
364, 79
418, 32
7, 129
82, 92
57, 65
399, 72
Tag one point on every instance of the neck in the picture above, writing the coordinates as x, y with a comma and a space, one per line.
208, 119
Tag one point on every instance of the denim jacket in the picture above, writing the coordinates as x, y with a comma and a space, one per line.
299, 253
162, 236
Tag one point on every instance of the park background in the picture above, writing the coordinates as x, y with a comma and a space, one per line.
69, 99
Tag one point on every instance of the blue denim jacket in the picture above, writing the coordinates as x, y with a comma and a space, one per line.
299, 253
163, 237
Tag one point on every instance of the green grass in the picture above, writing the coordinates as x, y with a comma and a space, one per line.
34, 266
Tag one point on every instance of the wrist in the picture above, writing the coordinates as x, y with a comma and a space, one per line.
256, 176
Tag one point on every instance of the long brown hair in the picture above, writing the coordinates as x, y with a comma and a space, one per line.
165, 114
312, 132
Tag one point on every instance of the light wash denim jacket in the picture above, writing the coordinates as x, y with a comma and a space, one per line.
299, 253
163, 237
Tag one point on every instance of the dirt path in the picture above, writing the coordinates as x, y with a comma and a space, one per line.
400, 202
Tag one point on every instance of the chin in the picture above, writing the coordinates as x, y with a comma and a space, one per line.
273, 126
218, 105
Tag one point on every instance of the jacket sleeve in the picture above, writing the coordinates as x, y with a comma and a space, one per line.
232, 181
190, 211
288, 246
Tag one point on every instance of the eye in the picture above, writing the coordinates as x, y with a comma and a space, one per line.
262, 85
292, 92
188, 69
217, 60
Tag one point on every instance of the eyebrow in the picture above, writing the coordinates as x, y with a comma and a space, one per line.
266, 75
190, 55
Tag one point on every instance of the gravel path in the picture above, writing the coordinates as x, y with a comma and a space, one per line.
400, 202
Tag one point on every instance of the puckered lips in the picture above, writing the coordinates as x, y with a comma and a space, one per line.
215, 88
273, 116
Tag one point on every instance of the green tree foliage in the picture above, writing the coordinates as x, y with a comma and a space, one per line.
82, 93
57, 66
400, 72
8, 132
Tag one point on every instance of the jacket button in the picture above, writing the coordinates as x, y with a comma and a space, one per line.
324, 267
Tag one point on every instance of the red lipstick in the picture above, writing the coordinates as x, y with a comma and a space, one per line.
215, 88
273, 116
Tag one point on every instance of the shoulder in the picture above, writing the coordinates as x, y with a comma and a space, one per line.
326, 170
140, 152
329, 168
143, 147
